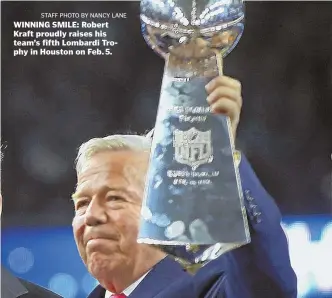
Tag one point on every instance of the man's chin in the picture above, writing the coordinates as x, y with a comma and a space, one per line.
100, 265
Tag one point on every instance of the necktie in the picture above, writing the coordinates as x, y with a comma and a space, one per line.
118, 296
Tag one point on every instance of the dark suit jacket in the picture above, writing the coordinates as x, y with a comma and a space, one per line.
260, 269
12, 287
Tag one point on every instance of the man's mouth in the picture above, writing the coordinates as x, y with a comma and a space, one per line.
98, 238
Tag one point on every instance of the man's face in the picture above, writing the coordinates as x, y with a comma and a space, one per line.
107, 210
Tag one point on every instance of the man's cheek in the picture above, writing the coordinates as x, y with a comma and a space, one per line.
78, 227
78, 221
129, 229
133, 231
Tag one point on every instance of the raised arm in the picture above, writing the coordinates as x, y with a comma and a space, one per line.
264, 264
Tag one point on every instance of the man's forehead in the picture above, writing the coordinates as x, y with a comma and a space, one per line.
117, 168
107, 171
95, 166
115, 161
97, 178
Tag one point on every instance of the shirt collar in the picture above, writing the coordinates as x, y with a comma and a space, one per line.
129, 289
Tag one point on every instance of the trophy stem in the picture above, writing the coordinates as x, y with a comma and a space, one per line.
220, 61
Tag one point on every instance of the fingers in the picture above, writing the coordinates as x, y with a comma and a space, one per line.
227, 107
224, 87
225, 98
225, 92
223, 81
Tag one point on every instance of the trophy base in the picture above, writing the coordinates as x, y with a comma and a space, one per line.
192, 256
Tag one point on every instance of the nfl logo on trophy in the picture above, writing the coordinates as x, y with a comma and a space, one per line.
193, 147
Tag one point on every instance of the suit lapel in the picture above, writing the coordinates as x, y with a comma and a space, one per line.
98, 292
11, 286
161, 276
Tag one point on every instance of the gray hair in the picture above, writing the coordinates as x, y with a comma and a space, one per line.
112, 143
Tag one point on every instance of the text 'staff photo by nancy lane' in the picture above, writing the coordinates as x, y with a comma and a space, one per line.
235, 176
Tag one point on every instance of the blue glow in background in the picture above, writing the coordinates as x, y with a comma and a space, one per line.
48, 257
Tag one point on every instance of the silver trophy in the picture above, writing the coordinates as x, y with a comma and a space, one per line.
193, 206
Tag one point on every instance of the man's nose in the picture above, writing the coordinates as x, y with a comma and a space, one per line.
95, 213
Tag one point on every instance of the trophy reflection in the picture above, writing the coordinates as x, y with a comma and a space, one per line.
193, 205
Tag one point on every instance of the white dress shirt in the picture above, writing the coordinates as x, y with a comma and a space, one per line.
128, 290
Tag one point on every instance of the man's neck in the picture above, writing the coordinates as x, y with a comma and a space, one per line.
127, 291
125, 277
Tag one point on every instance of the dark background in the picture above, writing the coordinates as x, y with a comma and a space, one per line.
51, 104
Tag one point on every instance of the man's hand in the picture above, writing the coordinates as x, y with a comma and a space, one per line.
225, 98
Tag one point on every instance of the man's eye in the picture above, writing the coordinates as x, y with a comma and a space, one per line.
81, 204
114, 198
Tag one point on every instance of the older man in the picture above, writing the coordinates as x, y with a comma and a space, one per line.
111, 176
